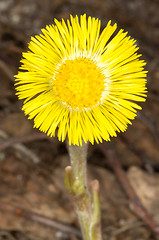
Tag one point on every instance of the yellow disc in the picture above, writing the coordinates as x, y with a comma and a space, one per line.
79, 83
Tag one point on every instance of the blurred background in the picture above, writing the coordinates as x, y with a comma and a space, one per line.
32, 165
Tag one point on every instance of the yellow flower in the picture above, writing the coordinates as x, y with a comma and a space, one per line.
81, 82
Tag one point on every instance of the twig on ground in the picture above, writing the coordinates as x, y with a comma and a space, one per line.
18, 146
150, 125
127, 227
147, 161
30, 138
20, 212
26, 152
135, 203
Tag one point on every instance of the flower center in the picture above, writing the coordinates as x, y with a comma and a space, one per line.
79, 83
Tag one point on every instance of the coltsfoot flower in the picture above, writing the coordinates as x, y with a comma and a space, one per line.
80, 81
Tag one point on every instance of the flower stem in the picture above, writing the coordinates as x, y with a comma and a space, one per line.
78, 158
87, 207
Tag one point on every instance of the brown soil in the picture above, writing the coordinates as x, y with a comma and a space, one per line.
32, 172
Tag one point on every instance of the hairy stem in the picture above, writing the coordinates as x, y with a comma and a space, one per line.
86, 205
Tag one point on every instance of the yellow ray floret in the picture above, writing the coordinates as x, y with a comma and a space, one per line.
76, 80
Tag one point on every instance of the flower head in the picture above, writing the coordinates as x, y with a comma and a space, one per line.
81, 82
